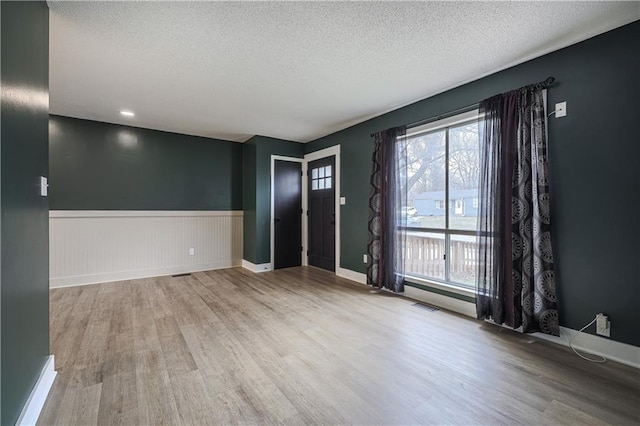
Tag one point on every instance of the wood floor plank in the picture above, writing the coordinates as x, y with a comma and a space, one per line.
156, 400
118, 400
192, 398
302, 346
176, 353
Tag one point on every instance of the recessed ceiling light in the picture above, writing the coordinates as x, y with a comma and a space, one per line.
127, 113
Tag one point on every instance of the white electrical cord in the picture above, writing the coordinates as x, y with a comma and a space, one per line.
601, 359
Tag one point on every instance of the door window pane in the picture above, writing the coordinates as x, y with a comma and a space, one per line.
318, 179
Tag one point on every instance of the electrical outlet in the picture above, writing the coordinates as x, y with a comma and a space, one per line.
603, 326
364, 258
43, 186
192, 251
561, 109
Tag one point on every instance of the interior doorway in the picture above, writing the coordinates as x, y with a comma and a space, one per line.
286, 212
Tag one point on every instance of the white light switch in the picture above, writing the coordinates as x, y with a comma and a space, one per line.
561, 109
364, 258
43, 186
343, 201
192, 251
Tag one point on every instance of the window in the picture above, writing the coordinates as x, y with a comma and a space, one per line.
321, 178
443, 166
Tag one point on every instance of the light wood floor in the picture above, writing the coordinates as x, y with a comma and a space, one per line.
301, 346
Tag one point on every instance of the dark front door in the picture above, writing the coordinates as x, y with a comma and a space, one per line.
287, 212
322, 228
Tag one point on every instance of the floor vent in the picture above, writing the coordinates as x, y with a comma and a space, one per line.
425, 307
180, 275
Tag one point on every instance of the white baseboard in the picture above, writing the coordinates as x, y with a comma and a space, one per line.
596, 345
262, 267
449, 303
132, 275
37, 398
591, 344
351, 275
445, 302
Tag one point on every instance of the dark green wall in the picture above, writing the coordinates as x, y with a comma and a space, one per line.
257, 192
594, 155
100, 166
25, 214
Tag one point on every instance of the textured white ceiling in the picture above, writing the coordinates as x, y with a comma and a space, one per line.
292, 70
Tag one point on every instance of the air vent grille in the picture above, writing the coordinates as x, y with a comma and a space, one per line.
425, 307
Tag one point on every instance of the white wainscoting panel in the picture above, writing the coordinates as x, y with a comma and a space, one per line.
89, 247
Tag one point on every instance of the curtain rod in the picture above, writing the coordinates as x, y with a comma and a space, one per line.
541, 84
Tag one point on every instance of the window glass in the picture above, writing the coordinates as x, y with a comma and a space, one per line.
464, 163
426, 174
425, 256
462, 255
442, 208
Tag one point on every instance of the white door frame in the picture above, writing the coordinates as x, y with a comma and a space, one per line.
304, 192
323, 153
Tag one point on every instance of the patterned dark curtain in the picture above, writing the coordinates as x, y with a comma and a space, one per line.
387, 223
516, 282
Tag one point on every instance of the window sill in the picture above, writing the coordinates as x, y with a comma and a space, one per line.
469, 295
